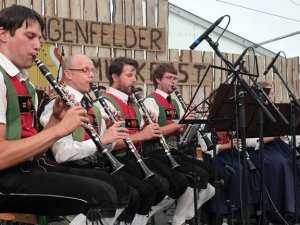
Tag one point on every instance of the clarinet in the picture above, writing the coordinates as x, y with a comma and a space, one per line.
249, 162
172, 162
207, 141
114, 163
145, 170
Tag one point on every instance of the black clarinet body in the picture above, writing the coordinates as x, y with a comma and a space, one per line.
172, 162
145, 170
207, 141
251, 166
113, 162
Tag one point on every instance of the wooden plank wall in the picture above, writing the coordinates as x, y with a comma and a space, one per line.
154, 13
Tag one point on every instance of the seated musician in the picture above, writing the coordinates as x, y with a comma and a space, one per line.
122, 74
25, 186
278, 162
168, 110
77, 150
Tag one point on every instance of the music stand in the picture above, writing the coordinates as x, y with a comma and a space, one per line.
279, 128
222, 113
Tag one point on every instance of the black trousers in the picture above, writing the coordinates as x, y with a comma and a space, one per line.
119, 183
28, 188
127, 196
157, 161
155, 152
151, 191
192, 170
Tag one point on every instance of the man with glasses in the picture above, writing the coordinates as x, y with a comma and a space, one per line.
169, 111
77, 152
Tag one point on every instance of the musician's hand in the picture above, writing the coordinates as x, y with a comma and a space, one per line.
237, 143
191, 115
72, 119
60, 107
150, 131
153, 116
115, 132
108, 121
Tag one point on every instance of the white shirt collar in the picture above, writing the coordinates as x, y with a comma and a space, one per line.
121, 95
11, 69
162, 93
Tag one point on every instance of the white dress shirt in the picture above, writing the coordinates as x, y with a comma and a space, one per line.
66, 149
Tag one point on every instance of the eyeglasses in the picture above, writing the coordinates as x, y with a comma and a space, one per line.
85, 70
171, 78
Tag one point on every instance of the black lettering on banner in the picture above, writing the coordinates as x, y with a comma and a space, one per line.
199, 67
93, 32
138, 74
180, 70
155, 36
114, 37
66, 31
129, 29
98, 34
51, 35
84, 34
188, 72
142, 38
103, 34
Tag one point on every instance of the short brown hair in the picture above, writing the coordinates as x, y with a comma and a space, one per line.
13, 17
160, 70
116, 66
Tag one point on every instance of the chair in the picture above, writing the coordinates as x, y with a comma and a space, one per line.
24, 218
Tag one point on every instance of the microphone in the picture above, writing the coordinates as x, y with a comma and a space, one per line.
237, 62
206, 33
272, 63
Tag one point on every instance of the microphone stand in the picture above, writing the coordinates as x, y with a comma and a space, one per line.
263, 97
242, 121
262, 159
294, 104
218, 183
